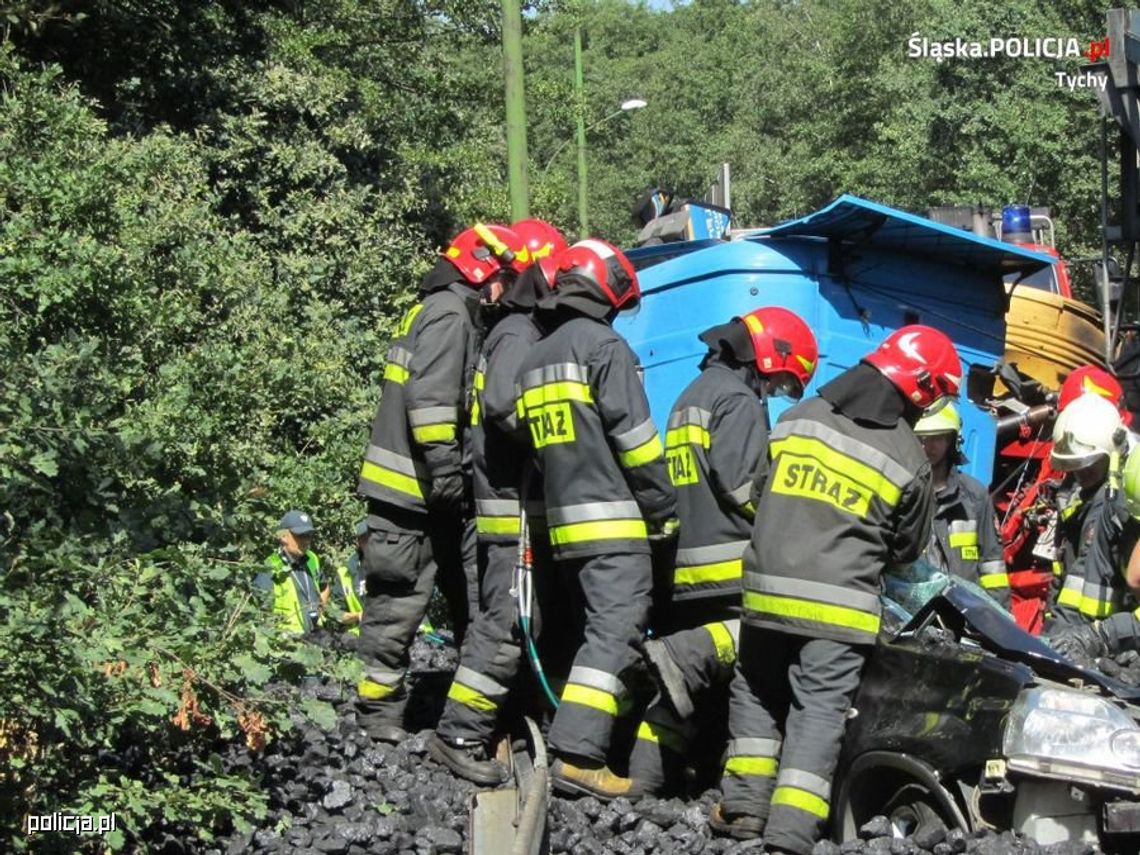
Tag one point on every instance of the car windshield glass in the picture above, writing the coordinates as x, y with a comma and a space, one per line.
907, 589
1042, 279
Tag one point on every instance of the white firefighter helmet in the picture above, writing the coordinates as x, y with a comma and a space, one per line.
1088, 430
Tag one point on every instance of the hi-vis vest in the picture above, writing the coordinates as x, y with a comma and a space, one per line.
417, 429
288, 603
499, 449
601, 458
840, 503
347, 594
717, 434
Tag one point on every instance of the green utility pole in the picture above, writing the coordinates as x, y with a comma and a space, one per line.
516, 109
580, 110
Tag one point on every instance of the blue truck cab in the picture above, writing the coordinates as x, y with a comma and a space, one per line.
854, 271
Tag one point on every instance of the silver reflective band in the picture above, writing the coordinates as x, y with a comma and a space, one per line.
639, 435
996, 566
399, 356
733, 627
802, 589
890, 469
497, 507
711, 554
806, 781
391, 460
741, 494
479, 682
554, 374
963, 526
596, 679
689, 416
752, 746
385, 678
591, 511
432, 416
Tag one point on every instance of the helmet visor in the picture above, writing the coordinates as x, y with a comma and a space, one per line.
784, 384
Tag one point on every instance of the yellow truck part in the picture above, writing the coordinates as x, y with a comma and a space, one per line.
1048, 335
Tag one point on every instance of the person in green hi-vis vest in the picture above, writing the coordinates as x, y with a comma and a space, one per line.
293, 576
346, 603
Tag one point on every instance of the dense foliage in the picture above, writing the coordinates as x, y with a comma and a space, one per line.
211, 212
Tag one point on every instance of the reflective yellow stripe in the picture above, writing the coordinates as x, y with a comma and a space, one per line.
1088, 606
959, 539
802, 800
645, 453
497, 525
397, 481
824, 613
406, 322
659, 734
687, 435
838, 466
561, 535
373, 691
1058, 568
565, 390
434, 433
722, 640
994, 580
704, 574
741, 766
588, 696
480, 380
1071, 508
396, 373
470, 698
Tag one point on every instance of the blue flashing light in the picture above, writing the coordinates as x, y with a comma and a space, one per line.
1015, 224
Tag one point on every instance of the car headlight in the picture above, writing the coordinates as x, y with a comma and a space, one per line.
1072, 735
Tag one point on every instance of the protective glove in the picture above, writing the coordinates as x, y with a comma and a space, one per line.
663, 531
447, 492
1080, 642
1120, 632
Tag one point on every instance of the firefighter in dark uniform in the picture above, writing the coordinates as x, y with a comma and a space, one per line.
420, 532
606, 491
846, 496
717, 434
963, 539
490, 655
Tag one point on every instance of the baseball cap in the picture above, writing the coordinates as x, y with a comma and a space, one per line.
297, 522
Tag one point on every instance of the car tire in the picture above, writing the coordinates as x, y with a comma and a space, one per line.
912, 810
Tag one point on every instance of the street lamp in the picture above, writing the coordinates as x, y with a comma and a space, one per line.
626, 106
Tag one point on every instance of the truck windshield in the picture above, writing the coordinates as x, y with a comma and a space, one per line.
1044, 279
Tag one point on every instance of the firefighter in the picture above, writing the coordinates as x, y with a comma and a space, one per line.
1113, 566
606, 490
847, 495
490, 656
963, 539
717, 434
1088, 438
293, 576
419, 524
346, 600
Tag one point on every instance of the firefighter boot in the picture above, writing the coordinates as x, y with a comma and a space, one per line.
391, 734
580, 776
741, 826
468, 759
669, 678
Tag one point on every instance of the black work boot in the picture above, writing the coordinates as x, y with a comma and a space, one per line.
740, 826
468, 759
392, 734
669, 678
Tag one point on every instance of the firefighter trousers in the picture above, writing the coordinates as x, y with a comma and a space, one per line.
490, 657
405, 557
705, 656
802, 688
613, 592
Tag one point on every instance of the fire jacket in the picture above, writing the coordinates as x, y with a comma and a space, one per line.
602, 461
717, 434
498, 449
963, 539
416, 434
840, 502
1090, 541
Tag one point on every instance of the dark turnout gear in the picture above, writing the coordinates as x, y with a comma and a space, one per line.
718, 431
415, 464
963, 538
604, 479
295, 584
846, 495
785, 739
1087, 564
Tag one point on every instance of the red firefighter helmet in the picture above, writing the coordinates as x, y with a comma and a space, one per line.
921, 362
539, 237
606, 268
1089, 378
782, 342
483, 250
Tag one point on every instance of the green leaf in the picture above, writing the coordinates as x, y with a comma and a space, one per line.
320, 712
45, 463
